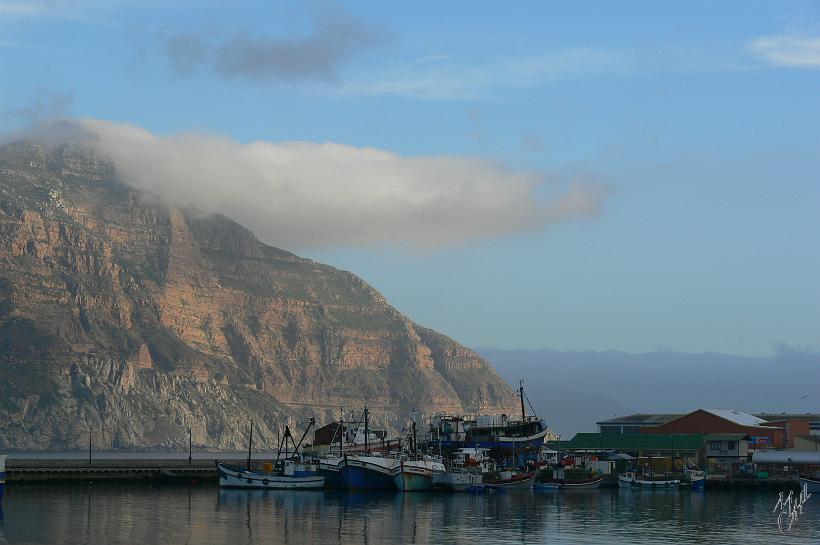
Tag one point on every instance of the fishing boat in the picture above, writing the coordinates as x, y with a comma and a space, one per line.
292, 473
502, 434
631, 479
2, 476
465, 470
367, 470
812, 484
330, 467
360, 472
509, 480
568, 477
416, 472
580, 484
550, 486
295, 475
456, 479
694, 479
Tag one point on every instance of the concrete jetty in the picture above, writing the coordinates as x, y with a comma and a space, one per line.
112, 468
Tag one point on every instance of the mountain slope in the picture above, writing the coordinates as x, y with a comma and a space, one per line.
136, 320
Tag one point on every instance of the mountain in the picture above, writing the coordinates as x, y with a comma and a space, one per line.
576, 389
134, 319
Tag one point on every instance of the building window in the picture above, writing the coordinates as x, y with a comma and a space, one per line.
731, 445
714, 445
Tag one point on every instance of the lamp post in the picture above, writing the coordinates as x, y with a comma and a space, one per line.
89, 444
190, 445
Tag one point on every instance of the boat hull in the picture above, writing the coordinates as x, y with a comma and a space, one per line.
634, 482
582, 485
416, 474
332, 472
456, 482
547, 486
362, 473
694, 484
812, 485
518, 482
407, 481
237, 477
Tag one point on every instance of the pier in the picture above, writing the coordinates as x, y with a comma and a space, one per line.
118, 469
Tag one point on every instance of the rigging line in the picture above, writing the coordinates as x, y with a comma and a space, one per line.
530, 404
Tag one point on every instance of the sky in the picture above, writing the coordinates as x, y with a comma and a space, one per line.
631, 176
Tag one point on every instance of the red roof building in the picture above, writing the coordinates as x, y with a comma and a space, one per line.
762, 434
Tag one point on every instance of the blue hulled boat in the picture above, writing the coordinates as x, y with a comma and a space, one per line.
330, 467
368, 472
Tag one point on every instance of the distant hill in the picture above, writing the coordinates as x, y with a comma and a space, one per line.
576, 389
135, 320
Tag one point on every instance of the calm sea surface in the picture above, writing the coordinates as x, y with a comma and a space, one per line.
106, 514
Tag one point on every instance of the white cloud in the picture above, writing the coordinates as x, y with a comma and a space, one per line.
441, 78
86, 11
302, 194
788, 50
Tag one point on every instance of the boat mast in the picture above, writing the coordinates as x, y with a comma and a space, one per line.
366, 429
250, 446
415, 436
521, 395
341, 434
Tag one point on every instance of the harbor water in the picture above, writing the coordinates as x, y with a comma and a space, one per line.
101, 514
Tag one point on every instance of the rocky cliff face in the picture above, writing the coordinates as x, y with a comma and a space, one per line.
136, 320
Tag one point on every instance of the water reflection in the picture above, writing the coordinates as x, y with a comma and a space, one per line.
103, 514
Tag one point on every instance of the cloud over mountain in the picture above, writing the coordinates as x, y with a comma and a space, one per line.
304, 194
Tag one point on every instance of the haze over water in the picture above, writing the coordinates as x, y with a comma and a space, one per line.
103, 514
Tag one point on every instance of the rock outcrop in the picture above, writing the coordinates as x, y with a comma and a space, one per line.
136, 320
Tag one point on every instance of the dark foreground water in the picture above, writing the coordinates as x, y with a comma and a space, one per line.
144, 514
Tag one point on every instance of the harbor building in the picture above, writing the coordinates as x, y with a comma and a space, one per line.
725, 453
762, 434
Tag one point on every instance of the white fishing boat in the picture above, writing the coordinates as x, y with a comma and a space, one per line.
292, 473
631, 479
694, 479
416, 472
296, 475
465, 470
457, 479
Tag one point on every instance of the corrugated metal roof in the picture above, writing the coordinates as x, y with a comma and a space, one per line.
642, 419
631, 441
736, 416
786, 456
774, 417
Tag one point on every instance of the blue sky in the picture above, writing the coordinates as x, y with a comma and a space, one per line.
657, 164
